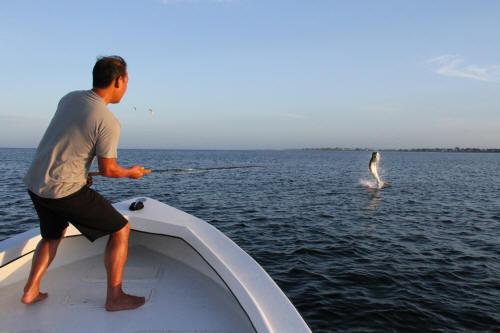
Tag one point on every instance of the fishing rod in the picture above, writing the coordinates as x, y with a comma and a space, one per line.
188, 170
209, 169
92, 174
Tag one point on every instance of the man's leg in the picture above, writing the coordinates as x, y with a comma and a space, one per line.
44, 254
115, 257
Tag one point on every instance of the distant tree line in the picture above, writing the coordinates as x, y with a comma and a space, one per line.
454, 150
442, 150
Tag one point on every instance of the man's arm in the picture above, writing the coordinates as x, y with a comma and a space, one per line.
108, 167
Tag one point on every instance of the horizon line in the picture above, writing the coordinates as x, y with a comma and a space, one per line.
422, 149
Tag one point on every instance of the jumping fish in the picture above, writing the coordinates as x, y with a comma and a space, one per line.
373, 167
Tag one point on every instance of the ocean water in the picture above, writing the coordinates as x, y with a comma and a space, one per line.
419, 255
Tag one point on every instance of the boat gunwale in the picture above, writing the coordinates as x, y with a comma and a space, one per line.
30, 251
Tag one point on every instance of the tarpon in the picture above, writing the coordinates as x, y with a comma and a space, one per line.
373, 167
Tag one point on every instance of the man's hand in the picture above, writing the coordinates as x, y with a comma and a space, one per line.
136, 171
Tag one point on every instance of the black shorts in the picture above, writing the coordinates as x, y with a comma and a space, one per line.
87, 210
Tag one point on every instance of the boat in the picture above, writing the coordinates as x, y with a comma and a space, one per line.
194, 278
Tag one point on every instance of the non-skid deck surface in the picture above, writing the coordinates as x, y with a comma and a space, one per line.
178, 299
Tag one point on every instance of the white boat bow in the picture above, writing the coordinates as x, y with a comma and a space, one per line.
195, 279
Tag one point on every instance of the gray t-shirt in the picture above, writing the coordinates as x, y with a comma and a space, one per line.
81, 128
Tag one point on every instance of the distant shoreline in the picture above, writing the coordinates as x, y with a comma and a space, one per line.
417, 150
410, 150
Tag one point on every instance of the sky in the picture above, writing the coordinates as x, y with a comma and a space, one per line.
245, 74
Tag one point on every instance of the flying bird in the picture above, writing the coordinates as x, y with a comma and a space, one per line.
151, 111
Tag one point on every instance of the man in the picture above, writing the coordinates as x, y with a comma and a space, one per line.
82, 127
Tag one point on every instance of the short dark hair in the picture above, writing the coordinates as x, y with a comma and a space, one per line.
107, 70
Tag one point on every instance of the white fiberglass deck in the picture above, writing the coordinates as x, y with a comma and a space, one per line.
179, 298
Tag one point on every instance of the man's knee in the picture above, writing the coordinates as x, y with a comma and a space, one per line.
123, 232
58, 240
126, 228
54, 241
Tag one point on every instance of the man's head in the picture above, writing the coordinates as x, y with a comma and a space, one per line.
111, 73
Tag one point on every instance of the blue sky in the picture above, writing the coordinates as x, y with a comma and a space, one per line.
246, 74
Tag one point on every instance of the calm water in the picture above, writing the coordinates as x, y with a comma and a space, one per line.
421, 255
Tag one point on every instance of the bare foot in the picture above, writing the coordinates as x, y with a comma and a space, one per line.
124, 302
33, 296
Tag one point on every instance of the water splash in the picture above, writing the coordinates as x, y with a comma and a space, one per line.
369, 183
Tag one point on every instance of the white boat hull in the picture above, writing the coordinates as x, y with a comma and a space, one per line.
195, 279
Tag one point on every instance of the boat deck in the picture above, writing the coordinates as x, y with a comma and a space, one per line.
178, 298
